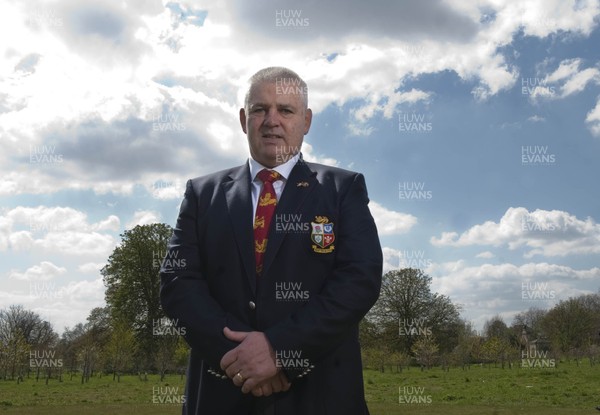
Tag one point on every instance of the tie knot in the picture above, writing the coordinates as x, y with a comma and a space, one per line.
268, 176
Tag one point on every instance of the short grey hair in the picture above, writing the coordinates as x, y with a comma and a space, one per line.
275, 74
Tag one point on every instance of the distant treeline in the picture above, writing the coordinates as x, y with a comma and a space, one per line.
409, 325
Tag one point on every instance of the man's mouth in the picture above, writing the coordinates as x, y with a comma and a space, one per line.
273, 136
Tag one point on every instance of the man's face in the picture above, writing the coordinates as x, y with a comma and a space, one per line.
275, 124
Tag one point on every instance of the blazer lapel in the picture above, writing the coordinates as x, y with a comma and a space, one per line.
301, 182
239, 204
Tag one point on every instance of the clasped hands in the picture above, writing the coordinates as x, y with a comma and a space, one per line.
251, 365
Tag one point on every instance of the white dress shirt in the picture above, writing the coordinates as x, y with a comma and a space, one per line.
283, 169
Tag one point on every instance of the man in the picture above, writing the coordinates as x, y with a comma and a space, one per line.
280, 261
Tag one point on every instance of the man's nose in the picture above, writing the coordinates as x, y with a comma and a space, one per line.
272, 118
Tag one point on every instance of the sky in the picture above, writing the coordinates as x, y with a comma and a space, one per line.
475, 123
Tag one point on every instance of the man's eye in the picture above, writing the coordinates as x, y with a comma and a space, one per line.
256, 110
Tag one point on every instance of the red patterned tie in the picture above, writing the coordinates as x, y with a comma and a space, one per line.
264, 212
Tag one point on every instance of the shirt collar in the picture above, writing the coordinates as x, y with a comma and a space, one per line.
283, 169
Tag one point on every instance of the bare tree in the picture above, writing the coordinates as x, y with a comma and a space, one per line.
531, 320
22, 331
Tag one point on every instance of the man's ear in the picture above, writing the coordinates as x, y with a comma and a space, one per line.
307, 120
243, 120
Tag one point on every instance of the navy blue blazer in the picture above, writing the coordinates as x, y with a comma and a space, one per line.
321, 274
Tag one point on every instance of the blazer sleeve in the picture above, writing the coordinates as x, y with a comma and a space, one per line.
348, 293
184, 292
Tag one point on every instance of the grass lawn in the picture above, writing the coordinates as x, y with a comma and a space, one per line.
567, 389
101, 395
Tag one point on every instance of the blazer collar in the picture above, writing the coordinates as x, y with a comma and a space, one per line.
239, 204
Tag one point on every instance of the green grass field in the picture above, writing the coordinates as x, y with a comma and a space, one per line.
101, 395
567, 389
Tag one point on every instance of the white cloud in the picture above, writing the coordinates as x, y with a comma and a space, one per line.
90, 267
566, 70
57, 219
486, 255
390, 222
58, 229
77, 243
593, 120
536, 118
578, 81
567, 79
394, 259
308, 155
103, 107
20, 241
167, 187
112, 223
63, 305
359, 129
542, 18
541, 232
119, 70
391, 259
143, 217
44, 271
79, 292
5, 230
487, 290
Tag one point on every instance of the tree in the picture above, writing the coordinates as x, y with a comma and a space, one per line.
407, 310
88, 352
120, 348
570, 324
82, 350
37, 332
425, 350
530, 320
498, 350
133, 283
165, 353
22, 331
591, 302
376, 357
82, 346
495, 327
15, 353
501, 343
464, 352
182, 355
